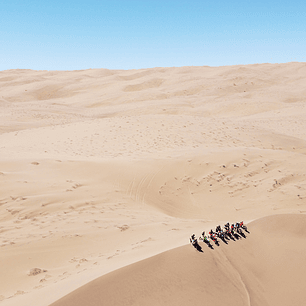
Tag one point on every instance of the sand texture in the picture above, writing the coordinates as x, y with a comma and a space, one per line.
105, 174
250, 271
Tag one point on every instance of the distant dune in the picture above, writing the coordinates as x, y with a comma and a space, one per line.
105, 174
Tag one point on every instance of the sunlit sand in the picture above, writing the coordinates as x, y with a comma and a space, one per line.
105, 174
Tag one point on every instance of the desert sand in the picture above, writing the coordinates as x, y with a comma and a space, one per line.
105, 174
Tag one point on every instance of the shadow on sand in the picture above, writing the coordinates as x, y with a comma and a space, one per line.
197, 247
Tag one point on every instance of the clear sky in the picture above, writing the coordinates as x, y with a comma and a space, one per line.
133, 34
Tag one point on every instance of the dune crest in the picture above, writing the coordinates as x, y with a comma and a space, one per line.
251, 271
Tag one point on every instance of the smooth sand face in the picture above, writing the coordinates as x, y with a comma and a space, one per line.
100, 169
253, 270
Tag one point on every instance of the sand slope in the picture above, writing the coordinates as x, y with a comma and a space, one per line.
255, 270
100, 169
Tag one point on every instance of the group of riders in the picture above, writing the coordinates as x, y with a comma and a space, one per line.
229, 231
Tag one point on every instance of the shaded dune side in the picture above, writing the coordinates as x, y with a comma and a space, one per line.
265, 268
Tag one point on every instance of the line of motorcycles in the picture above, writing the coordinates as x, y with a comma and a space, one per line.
233, 231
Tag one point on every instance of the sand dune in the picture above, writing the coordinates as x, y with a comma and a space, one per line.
254, 270
101, 169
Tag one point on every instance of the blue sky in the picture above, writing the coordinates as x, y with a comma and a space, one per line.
133, 34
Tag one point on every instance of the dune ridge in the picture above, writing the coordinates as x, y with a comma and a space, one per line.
250, 271
100, 169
